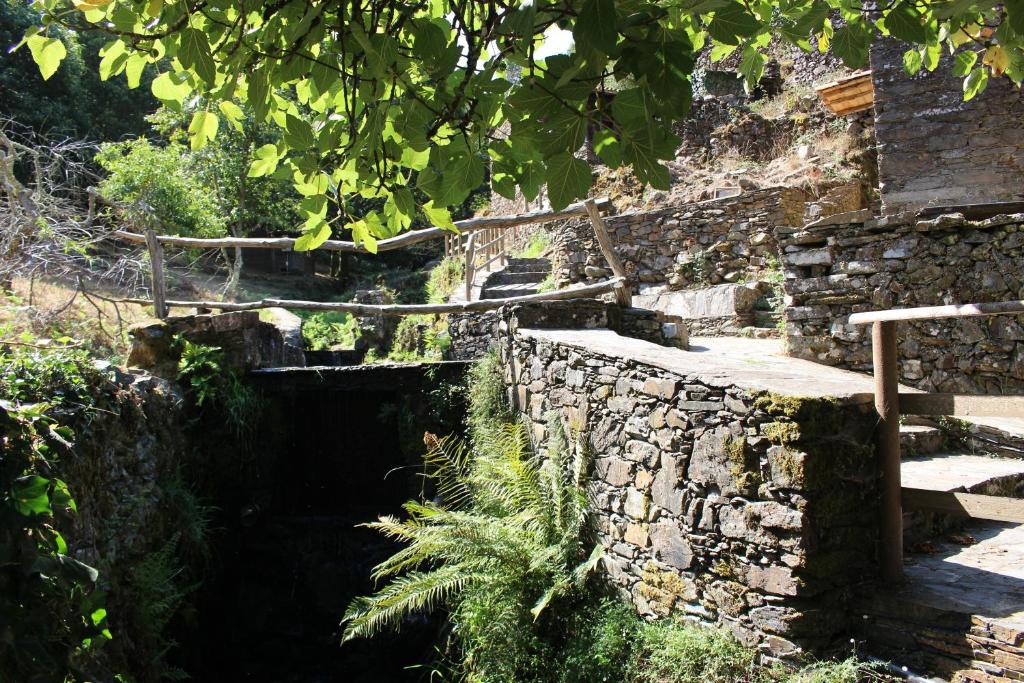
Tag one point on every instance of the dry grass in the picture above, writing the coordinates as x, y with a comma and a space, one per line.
52, 310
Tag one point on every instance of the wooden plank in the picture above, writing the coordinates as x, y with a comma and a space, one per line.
622, 295
156, 263
399, 242
581, 292
973, 505
936, 312
887, 440
959, 405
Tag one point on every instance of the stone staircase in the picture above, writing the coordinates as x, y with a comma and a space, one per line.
960, 612
521, 277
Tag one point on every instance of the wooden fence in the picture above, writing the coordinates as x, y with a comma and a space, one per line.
890, 404
492, 232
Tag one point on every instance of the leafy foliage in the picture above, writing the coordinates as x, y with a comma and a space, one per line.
444, 279
203, 369
321, 331
154, 180
75, 101
49, 612
372, 97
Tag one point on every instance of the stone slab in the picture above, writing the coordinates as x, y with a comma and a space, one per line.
957, 472
721, 301
751, 364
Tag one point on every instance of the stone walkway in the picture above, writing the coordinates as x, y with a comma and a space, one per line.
751, 364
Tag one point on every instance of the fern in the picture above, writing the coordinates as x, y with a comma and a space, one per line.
502, 541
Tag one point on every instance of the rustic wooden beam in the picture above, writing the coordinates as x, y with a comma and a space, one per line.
581, 292
622, 294
962, 405
156, 264
973, 505
887, 439
399, 242
470, 266
934, 312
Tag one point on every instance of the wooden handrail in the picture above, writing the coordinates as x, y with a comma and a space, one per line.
583, 291
936, 312
407, 239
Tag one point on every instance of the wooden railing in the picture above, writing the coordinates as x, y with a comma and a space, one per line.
890, 404
484, 238
480, 247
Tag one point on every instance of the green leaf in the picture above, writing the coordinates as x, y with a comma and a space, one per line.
732, 23
133, 69
850, 43
904, 22
438, 216
597, 26
203, 128
963, 62
31, 495
314, 237
47, 53
975, 83
568, 178
299, 134
751, 67
912, 61
264, 162
169, 90
1015, 15
194, 53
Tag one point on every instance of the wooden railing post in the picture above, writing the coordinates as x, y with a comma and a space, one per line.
156, 263
883, 342
622, 294
469, 266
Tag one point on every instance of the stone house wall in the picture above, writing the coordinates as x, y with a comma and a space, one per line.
936, 149
752, 511
697, 244
835, 270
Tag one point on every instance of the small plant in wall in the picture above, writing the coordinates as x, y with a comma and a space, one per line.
203, 370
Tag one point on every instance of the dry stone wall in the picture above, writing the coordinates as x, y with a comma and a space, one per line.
936, 149
706, 243
900, 262
749, 510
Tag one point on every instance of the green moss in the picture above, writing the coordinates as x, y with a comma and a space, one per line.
781, 433
747, 478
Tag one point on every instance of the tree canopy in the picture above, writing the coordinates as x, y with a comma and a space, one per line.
374, 97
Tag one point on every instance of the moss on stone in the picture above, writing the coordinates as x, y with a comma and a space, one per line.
781, 433
746, 478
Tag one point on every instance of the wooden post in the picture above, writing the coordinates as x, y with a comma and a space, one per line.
469, 266
622, 294
883, 344
156, 263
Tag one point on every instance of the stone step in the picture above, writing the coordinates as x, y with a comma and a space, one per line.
964, 472
505, 291
1000, 435
520, 265
920, 439
504, 277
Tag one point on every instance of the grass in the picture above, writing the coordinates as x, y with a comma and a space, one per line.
536, 246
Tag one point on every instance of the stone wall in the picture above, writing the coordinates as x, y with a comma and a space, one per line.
833, 270
686, 245
713, 501
936, 149
472, 334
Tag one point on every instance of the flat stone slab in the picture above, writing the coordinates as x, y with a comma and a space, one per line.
750, 364
956, 471
720, 301
985, 579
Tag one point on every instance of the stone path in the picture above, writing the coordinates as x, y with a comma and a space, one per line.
751, 364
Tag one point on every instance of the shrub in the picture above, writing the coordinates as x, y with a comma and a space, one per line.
444, 279
321, 331
158, 178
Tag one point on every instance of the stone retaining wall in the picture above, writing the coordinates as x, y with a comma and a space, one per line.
687, 245
934, 148
899, 262
749, 510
